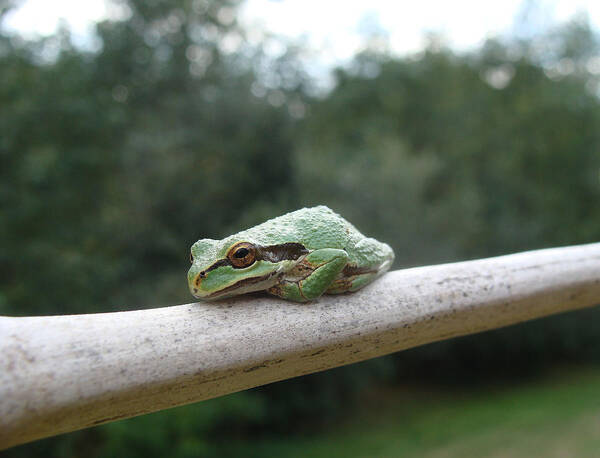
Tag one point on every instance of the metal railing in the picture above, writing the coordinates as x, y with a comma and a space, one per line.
62, 373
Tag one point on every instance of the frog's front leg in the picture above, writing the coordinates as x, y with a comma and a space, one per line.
374, 259
312, 276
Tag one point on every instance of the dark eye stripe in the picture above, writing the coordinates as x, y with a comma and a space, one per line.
282, 252
271, 253
219, 263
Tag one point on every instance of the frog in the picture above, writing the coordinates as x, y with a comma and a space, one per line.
297, 256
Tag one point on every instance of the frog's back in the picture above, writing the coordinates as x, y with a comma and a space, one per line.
316, 228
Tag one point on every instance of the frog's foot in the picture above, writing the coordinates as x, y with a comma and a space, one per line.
315, 273
351, 283
354, 278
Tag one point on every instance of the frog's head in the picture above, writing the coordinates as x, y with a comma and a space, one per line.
224, 268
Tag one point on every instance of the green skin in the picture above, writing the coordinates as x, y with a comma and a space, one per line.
297, 256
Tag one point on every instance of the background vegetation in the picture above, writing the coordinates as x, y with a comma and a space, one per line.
113, 162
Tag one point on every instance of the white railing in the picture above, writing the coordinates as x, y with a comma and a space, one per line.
62, 373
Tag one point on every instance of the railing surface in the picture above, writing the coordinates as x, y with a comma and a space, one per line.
62, 373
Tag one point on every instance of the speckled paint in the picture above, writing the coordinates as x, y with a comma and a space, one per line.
61, 373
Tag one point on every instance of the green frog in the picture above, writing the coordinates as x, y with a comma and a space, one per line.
297, 256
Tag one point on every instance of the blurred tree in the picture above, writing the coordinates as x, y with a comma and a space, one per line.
494, 140
116, 161
56, 155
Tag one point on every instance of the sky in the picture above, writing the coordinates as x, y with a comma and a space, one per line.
335, 29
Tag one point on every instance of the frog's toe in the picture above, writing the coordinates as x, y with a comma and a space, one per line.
288, 290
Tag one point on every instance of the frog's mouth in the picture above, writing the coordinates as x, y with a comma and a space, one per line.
247, 285
289, 251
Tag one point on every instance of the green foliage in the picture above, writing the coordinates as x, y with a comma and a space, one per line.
554, 416
113, 162
182, 432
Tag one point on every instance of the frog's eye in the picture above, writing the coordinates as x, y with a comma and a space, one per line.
242, 254
191, 258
